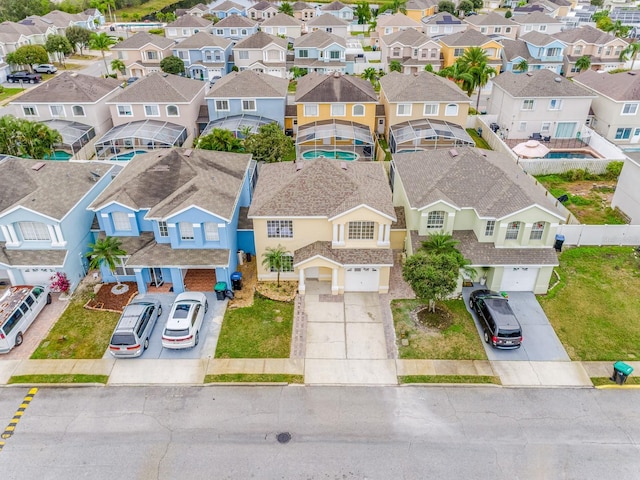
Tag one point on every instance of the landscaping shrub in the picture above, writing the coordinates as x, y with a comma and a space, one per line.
613, 170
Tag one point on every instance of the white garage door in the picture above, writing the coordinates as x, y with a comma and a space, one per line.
37, 276
519, 279
361, 279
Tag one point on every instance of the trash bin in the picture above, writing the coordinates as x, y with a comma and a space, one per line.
229, 294
236, 280
220, 288
620, 372
240, 257
248, 257
559, 242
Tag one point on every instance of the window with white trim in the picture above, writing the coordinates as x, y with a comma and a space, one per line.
458, 52
451, 110
33, 231
490, 228
121, 268
222, 105
151, 55
536, 231
528, 104
555, 104
303, 53
629, 109
243, 54
279, 228
186, 231
403, 109
121, 221
546, 126
286, 264
337, 110
125, 111
78, 111
623, 133
219, 31
357, 110
361, 230
163, 228
513, 229
151, 111
249, 105
435, 220
57, 110
311, 110
431, 108
30, 111
173, 111
522, 126
334, 54
211, 232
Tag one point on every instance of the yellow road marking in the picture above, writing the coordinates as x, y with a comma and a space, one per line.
10, 429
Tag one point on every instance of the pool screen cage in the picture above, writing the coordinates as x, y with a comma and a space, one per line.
146, 134
237, 124
75, 135
335, 136
427, 134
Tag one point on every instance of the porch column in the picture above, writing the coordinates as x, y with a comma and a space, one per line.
341, 234
380, 233
6, 233
334, 281
448, 228
301, 286
335, 238
387, 234
142, 285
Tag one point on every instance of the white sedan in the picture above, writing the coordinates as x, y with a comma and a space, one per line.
182, 329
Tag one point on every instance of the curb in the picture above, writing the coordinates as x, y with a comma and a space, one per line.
54, 385
618, 387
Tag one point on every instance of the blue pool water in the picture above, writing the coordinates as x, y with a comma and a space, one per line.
124, 157
59, 155
568, 155
339, 155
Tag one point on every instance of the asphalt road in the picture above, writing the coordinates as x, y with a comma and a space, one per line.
337, 433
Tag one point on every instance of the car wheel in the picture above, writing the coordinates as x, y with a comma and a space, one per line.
146, 343
159, 311
19, 339
206, 306
49, 72
197, 339
48, 299
486, 336
471, 304
33, 80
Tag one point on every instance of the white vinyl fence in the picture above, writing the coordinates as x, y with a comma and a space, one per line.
600, 234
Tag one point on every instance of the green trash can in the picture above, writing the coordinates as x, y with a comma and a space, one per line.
220, 289
621, 372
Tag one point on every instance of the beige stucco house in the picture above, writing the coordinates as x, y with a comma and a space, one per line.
413, 49
283, 25
186, 26
333, 218
262, 52
505, 224
143, 52
494, 25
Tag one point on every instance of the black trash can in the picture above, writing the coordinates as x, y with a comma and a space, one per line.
236, 280
220, 288
559, 242
248, 255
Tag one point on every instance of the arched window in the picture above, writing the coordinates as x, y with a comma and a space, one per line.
78, 111
358, 110
451, 110
537, 230
513, 229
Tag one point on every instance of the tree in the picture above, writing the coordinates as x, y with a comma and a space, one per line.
522, 66
395, 6
102, 42
508, 14
298, 72
106, 252
583, 63
58, 46
286, 8
395, 66
16, 10
447, 6
78, 37
474, 64
465, 6
220, 140
597, 3
631, 51
363, 12
273, 260
428, 68
172, 64
439, 243
21, 137
118, 65
370, 74
478, 4
270, 144
28, 55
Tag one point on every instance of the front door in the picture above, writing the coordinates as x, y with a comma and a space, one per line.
156, 277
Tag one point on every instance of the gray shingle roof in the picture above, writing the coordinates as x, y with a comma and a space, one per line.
297, 6
168, 181
318, 39
467, 38
420, 87
535, 18
495, 186
31, 258
262, 5
538, 39
410, 36
585, 33
621, 86
333, 6
397, 19
140, 39
235, 21
162, 255
443, 18
514, 49
249, 83
539, 83
70, 87
320, 188
344, 256
261, 40
53, 190
315, 87
327, 20
190, 21
203, 39
226, 6
161, 88
282, 20
492, 18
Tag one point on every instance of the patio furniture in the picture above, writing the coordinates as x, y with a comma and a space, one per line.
546, 139
535, 136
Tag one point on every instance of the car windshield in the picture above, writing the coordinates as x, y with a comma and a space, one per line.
123, 339
176, 333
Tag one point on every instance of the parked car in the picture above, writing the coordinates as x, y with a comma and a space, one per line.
130, 80
500, 325
182, 329
45, 68
19, 307
23, 76
131, 335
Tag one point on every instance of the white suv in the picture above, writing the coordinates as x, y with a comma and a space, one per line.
45, 68
182, 329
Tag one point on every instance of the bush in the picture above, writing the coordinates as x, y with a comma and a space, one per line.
613, 170
577, 175
157, 31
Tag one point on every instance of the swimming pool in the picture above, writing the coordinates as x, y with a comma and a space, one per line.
124, 157
59, 155
578, 154
338, 155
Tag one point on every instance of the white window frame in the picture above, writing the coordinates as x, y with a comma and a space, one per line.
546, 127
150, 108
555, 104
243, 55
30, 110
163, 229
124, 110
187, 233
361, 230
403, 106
513, 231
74, 110
211, 233
338, 110
358, 106
247, 105
222, 105
279, 228
433, 108
121, 221
528, 104
177, 114
311, 110
57, 111
435, 220
629, 109
522, 126
121, 269
537, 231
451, 110
490, 228
34, 232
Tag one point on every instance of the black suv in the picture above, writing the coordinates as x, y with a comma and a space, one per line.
25, 76
499, 323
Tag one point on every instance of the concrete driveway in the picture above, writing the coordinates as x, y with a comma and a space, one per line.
540, 342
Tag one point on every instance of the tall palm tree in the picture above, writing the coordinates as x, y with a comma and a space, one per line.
273, 259
105, 252
631, 51
286, 8
370, 74
118, 65
102, 42
474, 62
583, 63
522, 66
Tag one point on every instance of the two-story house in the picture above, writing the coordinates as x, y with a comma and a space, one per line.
336, 117
44, 222
142, 53
322, 52
73, 104
414, 50
262, 52
537, 22
333, 219
538, 51
303, 11
284, 26
176, 214
246, 99
419, 9
157, 111
493, 25
262, 10
199, 10
388, 24
616, 108
235, 27
227, 8
63, 20
205, 56
186, 26
423, 111
330, 24
603, 49
505, 224
454, 46
539, 102
442, 24
338, 10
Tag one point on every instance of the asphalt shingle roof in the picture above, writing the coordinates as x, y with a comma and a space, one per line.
161, 88
333, 6
587, 34
235, 21
326, 20
344, 256
203, 39
468, 38
492, 18
31, 258
249, 83
140, 39
261, 40
410, 36
226, 6
539, 83
318, 39
316, 88
282, 19
397, 19
443, 18
424, 86
538, 39
535, 18
623, 86
190, 21
70, 87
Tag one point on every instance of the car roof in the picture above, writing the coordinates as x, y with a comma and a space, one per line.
130, 315
502, 313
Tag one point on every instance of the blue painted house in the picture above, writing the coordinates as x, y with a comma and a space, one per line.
322, 52
226, 8
539, 50
176, 213
45, 226
205, 56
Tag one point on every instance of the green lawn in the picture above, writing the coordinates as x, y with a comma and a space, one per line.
449, 379
480, 142
146, 8
599, 381
79, 333
454, 338
254, 378
262, 330
8, 92
594, 309
57, 378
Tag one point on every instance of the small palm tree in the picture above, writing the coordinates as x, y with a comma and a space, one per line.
631, 51
522, 66
395, 66
439, 243
273, 259
105, 252
286, 8
583, 63
102, 42
370, 74
118, 65
428, 68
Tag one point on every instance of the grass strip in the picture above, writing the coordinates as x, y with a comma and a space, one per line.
598, 381
485, 379
254, 378
59, 378
480, 142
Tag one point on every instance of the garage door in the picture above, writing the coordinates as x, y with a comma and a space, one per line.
37, 276
361, 279
519, 279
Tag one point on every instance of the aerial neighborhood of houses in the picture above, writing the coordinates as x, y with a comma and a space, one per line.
418, 119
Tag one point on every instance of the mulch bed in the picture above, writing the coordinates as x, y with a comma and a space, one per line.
105, 299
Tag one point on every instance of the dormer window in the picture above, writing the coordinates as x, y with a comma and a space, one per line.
121, 221
34, 232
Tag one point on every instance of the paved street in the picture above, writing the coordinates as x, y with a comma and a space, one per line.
337, 433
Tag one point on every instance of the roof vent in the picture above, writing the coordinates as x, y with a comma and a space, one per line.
453, 152
343, 165
38, 166
557, 79
188, 152
95, 174
298, 166
529, 74
336, 74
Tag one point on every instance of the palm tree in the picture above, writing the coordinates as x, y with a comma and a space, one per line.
631, 51
370, 74
395, 66
439, 243
220, 140
286, 8
273, 259
583, 63
102, 42
474, 62
105, 252
522, 66
118, 65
